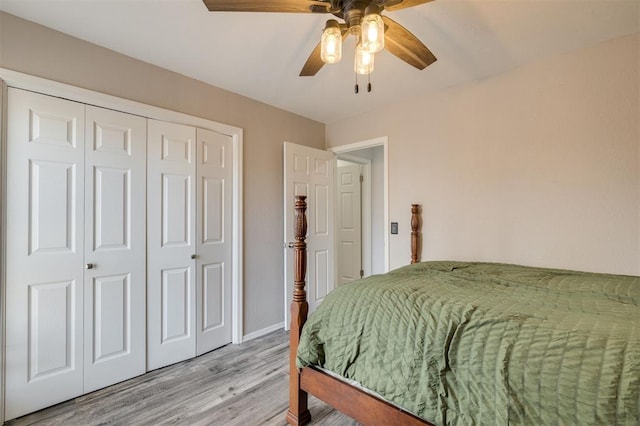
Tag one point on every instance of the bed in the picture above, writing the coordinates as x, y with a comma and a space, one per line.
463, 343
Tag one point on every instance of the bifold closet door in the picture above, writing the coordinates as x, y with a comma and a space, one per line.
115, 239
75, 250
171, 243
214, 213
45, 250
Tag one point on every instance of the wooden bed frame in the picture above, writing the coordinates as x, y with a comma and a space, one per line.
352, 401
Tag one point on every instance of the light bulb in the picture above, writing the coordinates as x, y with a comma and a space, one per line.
363, 61
331, 43
372, 31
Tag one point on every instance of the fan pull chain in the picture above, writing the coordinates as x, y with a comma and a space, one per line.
356, 88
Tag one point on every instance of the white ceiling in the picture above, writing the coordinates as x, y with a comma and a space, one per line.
259, 55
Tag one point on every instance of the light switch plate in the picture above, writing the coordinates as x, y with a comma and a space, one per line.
394, 227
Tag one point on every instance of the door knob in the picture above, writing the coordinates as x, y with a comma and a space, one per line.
290, 244
89, 266
194, 256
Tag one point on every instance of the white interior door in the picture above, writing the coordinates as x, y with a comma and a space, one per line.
310, 172
171, 243
44, 275
214, 245
349, 223
115, 238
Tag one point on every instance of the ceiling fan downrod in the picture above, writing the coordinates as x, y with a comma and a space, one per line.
353, 12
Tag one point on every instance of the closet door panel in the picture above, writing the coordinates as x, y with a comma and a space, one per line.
175, 294
176, 210
115, 245
44, 275
214, 245
171, 172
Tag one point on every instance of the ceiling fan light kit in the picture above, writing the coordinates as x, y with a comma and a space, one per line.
369, 31
362, 18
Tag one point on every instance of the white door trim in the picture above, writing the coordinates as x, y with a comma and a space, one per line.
3, 221
53, 88
371, 143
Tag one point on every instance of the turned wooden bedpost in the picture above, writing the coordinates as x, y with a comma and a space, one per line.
298, 413
415, 233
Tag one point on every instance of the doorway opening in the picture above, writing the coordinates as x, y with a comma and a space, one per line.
369, 156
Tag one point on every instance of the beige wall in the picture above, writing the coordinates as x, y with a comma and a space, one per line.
538, 166
36, 50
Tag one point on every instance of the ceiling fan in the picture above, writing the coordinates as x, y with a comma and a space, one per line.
361, 18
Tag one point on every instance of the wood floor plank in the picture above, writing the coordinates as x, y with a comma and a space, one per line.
235, 385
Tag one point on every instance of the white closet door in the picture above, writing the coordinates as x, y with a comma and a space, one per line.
171, 243
115, 238
45, 189
214, 211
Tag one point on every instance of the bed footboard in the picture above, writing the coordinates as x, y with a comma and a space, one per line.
360, 405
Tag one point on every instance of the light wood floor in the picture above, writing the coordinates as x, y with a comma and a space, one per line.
236, 385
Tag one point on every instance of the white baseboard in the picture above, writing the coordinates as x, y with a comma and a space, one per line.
264, 331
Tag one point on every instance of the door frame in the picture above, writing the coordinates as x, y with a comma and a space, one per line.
9, 78
383, 141
3, 227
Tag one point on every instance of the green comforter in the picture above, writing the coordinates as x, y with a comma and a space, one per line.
478, 343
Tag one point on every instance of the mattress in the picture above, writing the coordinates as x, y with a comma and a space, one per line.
479, 343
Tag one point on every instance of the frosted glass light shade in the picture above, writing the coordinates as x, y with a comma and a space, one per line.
373, 33
331, 43
363, 63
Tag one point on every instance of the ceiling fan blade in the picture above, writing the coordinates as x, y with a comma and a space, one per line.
313, 64
294, 6
392, 5
399, 41
314, 61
